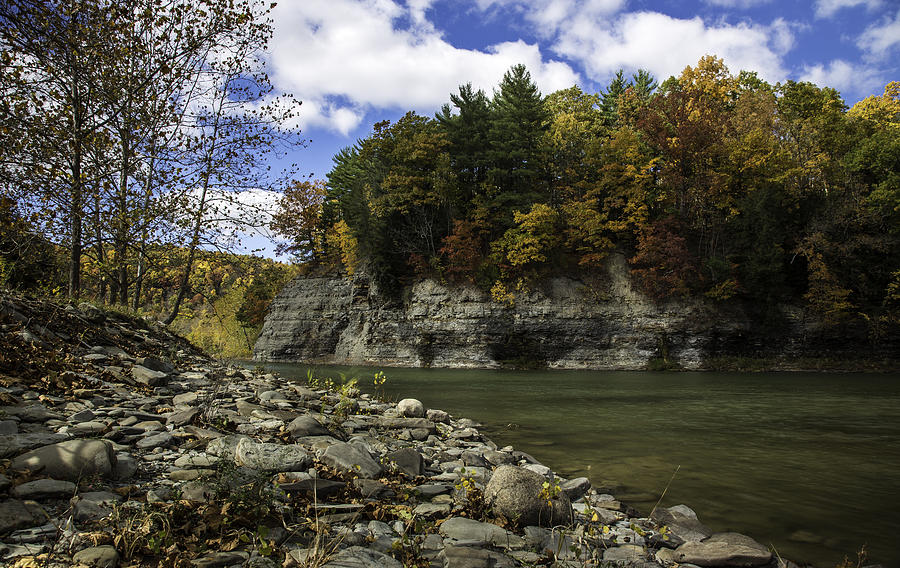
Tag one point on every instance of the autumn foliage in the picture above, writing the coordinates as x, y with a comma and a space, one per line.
714, 185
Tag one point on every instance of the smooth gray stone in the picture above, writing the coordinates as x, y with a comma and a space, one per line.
401, 423
125, 468
220, 559
724, 549
35, 534
408, 461
322, 488
271, 457
625, 554
576, 488
154, 364
477, 533
15, 514
198, 460
44, 489
88, 428
306, 425
433, 489
352, 459
100, 556
8, 427
468, 557
31, 413
183, 417
161, 440
185, 399
359, 557
85, 415
15, 444
70, 460
148, 377
431, 510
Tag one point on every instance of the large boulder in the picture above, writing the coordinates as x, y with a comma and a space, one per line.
411, 408
71, 460
724, 549
271, 457
306, 425
352, 459
519, 495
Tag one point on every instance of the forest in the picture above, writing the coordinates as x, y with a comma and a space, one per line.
712, 184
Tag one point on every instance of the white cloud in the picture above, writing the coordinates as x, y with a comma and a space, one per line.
740, 4
344, 57
843, 76
604, 46
879, 39
828, 8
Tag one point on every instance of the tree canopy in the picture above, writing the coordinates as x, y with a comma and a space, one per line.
713, 184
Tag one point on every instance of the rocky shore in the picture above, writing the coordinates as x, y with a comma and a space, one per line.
123, 445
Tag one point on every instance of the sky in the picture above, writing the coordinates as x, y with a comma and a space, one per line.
356, 62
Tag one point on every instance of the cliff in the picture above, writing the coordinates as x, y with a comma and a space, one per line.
570, 324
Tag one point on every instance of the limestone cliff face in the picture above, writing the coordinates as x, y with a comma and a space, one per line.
569, 324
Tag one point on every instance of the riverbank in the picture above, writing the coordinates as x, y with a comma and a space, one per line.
128, 446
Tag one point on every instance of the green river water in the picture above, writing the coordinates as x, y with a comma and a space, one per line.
808, 463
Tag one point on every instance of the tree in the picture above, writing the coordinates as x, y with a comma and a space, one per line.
55, 54
232, 130
518, 124
467, 131
299, 220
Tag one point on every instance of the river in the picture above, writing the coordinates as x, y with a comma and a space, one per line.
807, 463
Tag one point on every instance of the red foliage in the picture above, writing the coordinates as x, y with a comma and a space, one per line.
663, 263
462, 251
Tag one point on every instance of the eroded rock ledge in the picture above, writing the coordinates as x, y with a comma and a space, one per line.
126, 446
604, 324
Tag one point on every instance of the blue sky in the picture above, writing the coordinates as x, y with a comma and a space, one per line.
356, 62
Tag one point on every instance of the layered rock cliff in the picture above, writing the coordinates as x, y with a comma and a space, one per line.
604, 324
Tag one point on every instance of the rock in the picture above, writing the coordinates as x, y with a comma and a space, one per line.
197, 492
160, 365
85, 415
576, 488
432, 510
225, 446
724, 549
148, 377
271, 457
352, 459
221, 559
411, 408
99, 556
71, 460
161, 440
185, 399
467, 557
359, 557
183, 417
44, 489
475, 533
15, 514
625, 554
437, 416
683, 524
17, 443
516, 493
306, 425
408, 461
